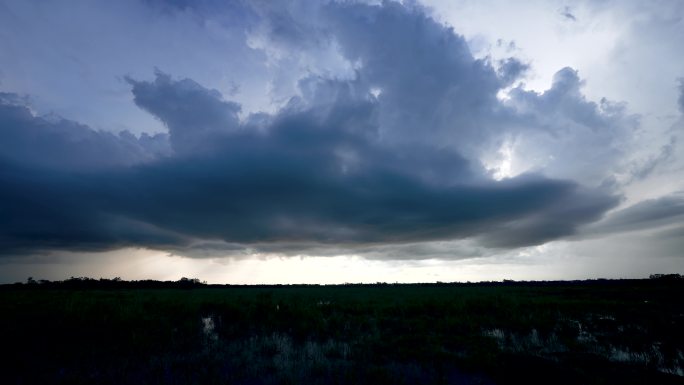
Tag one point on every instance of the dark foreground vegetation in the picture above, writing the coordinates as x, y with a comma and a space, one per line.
146, 332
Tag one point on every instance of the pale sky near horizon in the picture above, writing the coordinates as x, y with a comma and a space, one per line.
350, 141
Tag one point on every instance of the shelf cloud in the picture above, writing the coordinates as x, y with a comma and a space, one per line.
413, 144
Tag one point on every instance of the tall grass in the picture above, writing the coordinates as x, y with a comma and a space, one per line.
592, 334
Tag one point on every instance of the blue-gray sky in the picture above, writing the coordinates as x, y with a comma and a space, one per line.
250, 141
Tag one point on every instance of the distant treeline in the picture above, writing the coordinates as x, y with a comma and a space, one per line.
106, 283
190, 283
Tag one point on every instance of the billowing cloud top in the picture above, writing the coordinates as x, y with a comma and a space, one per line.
398, 151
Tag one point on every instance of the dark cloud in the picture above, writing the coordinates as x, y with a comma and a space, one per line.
431, 90
387, 158
193, 114
44, 210
53, 142
313, 177
652, 213
672, 236
428, 78
511, 70
582, 205
567, 14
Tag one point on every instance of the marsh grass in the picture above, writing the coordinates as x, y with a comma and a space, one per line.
622, 332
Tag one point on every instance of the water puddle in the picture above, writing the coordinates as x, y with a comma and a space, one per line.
209, 328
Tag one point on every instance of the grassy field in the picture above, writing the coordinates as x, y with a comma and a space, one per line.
591, 332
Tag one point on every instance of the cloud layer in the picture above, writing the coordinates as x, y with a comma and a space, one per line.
399, 153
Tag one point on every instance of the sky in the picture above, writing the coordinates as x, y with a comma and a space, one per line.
341, 141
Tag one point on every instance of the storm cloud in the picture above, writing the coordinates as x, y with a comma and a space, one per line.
393, 155
652, 213
56, 143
